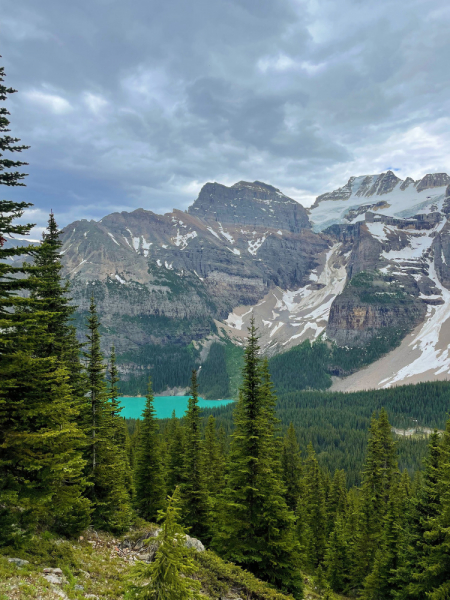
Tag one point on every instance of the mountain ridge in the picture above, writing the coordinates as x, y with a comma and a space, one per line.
170, 280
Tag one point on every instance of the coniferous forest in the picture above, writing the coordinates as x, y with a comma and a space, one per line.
258, 484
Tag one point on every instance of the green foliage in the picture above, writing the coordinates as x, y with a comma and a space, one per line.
291, 463
149, 474
193, 489
41, 465
337, 423
167, 577
220, 376
302, 367
213, 380
106, 463
168, 366
256, 528
219, 577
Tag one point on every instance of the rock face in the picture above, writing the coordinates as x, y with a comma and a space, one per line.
173, 279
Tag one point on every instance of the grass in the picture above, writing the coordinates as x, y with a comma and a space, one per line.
93, 566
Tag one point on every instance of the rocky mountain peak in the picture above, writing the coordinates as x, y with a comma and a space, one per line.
244, 203
433, 180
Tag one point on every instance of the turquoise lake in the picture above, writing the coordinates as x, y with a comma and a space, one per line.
164, 406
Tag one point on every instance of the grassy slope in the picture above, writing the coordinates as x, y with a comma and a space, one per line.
96, 564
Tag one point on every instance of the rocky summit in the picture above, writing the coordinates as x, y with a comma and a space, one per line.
366, 260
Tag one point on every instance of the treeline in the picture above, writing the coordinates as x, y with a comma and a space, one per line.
337, 423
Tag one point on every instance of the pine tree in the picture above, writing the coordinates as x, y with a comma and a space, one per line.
291, 462
41, 467
119, 433
337, 556
193, 489
256, 528
175, 467
425, 506
378, 474
337, 499
381, 582
213, 460
150, 480
167, 577
316, 510
106, 467
431, 578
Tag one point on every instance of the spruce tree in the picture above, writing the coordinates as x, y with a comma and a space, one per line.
337, 557
379, 470
193, 490
119, 433
214, 461
425, 506
256, 528
291, 462
381, 582
431, 577
149, 478
168, 576
175, 451
106, 468
40, 462
316, 510
337, 499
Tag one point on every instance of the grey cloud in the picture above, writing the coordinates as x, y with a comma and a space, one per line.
138, 104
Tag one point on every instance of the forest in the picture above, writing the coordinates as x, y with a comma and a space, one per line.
259, 486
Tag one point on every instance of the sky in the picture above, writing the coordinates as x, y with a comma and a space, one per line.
138, 104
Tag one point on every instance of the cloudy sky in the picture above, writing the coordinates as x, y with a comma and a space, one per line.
138, 104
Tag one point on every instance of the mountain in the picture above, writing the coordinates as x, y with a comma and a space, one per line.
366, 261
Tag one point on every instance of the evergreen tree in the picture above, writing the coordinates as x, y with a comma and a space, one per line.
150, 481
316, 510
432, 575
256, 528
382, 581
106, 467
425, 506
175, 440
213, 460
167, 577
119, 432
193, 489
53, 295
337, 499
337, 556
379, 470
41, 467
291, 462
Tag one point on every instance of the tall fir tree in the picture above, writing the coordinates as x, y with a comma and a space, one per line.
291, 462
431, 577
150, 477
106, 468
316, 510
381, 581
194, 490
337, 499
40, 461
337, 556
119, 430
175, 453
214, 462
379, 470
256, 528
